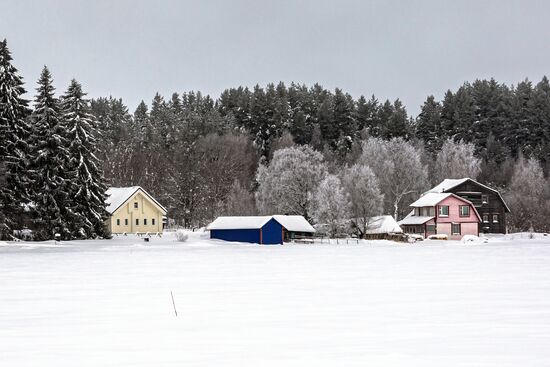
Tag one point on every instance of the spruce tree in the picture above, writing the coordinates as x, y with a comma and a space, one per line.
14, 149
86, 188
49, 163
428, 125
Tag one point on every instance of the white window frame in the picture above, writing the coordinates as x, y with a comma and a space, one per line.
484, 199
493, 218
485, 216
460, 211
439, 210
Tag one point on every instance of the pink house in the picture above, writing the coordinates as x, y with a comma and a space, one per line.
442, 213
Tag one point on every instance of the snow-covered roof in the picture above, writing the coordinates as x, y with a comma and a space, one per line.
451, 183
383, 224
252, 222
430, 199
448, 184
117, 196
412, 219
294, 223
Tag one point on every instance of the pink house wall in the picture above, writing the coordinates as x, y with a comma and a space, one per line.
465, 228
468, 225
454, 213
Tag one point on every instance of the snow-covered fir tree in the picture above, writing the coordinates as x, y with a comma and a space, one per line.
50, 164
86, 188
14, 149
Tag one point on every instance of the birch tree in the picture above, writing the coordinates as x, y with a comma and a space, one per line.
456, 160
397, 165
286, 185
366, 198
331, 205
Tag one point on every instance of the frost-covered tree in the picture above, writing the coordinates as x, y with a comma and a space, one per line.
286, 185
239, 201
527, 196
367, 200
398, 166
49, 163
456, 160
14, 150
331, 205
86, 188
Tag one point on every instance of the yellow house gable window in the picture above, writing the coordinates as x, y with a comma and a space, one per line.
135, 204
144, 221
126, 221
118, 222
137, 222
153, 221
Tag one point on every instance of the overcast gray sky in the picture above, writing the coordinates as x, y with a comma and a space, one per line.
393, 49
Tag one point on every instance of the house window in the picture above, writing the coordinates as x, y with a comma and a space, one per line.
430, 228
135, 204
126, 221
118, 222
431, 212
137, 222
444, 211
484, 199
145, 221
455, 228
485, 218
464, 211
495, 218
153, 221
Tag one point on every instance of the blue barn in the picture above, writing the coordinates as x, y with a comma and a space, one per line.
265, 230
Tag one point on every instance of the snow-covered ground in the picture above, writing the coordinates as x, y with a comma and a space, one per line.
436, 303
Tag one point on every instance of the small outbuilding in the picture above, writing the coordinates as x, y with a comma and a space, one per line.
264, 230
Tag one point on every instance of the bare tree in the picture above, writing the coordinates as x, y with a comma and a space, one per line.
456, 160
528, 196
286, 185
331, 205
366, 198
397, 165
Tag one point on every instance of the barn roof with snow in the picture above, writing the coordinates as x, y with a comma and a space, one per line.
269, 229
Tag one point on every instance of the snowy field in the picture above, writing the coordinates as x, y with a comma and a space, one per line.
107, 303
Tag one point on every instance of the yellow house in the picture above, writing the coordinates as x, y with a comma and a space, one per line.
133, 210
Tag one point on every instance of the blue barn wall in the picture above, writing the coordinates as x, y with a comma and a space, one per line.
272, 233
236, 235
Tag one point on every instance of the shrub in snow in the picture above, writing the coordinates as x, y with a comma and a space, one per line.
181, 235
438, 237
